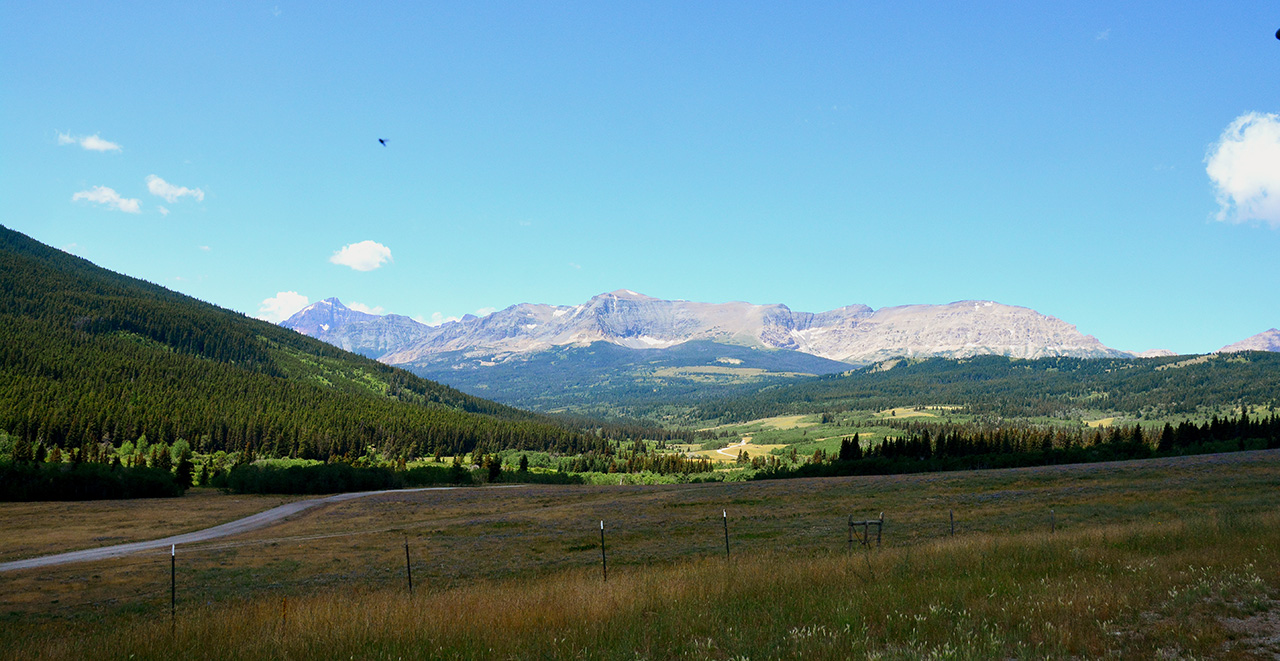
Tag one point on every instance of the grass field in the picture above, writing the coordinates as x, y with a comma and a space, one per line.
1167, 558
44, 528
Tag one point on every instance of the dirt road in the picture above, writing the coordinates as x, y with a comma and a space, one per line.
259, 520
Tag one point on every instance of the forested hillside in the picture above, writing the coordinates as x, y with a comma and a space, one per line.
88, 356
1058, 387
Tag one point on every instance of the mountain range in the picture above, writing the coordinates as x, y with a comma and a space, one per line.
854, 334
623, 349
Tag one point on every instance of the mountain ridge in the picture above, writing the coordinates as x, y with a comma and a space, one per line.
854, 334
1268, 340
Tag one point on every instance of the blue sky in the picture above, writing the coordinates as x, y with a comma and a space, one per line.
1050, 155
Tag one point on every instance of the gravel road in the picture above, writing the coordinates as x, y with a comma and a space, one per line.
259, 520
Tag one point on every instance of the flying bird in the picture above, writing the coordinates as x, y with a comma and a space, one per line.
383, 141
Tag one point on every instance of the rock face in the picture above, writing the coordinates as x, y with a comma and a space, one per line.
852, 334
1268, 340
367, 334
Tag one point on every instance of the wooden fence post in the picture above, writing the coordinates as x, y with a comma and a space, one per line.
408, 568
604, 564
726, 534
173, 587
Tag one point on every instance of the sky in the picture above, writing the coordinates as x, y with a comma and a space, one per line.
1116, 165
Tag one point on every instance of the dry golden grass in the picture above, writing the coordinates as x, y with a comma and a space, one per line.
908, 412
787, 422
516, 571
1124, 591
44, 528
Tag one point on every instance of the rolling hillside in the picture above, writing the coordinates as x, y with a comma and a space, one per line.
91, 356
1059, 387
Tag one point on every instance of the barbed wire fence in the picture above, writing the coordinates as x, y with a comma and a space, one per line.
214, 571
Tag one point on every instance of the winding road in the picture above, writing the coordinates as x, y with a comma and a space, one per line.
745, 440
259, 520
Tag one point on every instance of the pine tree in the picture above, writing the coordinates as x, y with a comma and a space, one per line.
184, 468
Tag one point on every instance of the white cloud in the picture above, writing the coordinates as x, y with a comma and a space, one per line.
363, 256
163, 211
1103, 36
1244, 166
108, 197
281, 306
484, 312
89, 142
205, 248
161, 188
361, 307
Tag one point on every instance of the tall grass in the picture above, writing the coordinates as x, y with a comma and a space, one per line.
1135, 591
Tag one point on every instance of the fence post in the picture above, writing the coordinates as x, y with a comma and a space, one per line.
604, 565
173, 587
850, 532
880, 529
408, 568
1053, 524
952, 513
726, 534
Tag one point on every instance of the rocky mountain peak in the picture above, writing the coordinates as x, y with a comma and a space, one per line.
1268, 340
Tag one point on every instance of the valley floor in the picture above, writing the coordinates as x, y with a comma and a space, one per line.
1165, 557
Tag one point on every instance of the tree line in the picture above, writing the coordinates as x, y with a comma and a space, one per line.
926, 447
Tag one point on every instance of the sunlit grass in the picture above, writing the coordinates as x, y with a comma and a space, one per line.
1137, 590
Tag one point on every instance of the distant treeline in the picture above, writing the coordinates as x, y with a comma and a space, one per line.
82, 481
932, 447
343, 478
636, 458
1011, 387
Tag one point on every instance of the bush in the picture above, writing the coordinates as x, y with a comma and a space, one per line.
321, 478
442, 474
24, 482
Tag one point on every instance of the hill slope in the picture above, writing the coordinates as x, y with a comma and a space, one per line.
605, 379
1062, 387
88, 355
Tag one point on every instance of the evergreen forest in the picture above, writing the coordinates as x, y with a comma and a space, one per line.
91, 359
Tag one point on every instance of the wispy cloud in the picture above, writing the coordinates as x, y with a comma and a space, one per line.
362, 256
435, 319
205, 248
108, 198
361, 307
89, 142
161, 188
163, 211
1103, 35
281, 306
1244, 166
